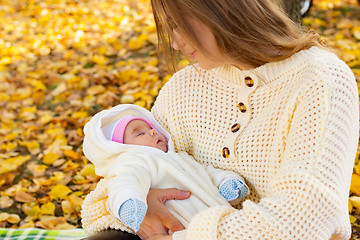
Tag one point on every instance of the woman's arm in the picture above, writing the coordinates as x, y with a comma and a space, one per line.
307, 198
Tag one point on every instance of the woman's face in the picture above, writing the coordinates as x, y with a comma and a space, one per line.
212, 58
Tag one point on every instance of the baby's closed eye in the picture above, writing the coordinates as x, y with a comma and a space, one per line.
139, 134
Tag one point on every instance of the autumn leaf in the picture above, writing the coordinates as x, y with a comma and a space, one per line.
50, 158
47, 209
5, 202
72, 154
12, 163
355, 201
21, 196
59, 192
355, 184
11, 218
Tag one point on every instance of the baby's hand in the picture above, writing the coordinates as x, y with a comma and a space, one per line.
132, 213
233, 189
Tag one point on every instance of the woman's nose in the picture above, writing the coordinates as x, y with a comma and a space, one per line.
153, 132
178, 42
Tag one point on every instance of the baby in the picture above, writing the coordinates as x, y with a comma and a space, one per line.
135, 153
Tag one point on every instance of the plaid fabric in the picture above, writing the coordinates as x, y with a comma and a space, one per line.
41, 234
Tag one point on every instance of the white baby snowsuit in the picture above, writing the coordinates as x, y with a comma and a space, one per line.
131, 170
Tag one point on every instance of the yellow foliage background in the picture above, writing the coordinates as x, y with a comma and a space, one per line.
61, 61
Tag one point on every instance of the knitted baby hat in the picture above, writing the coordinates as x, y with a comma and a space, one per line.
114, 131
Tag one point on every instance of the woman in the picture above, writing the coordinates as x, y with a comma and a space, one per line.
266, 100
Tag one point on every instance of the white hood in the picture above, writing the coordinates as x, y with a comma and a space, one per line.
104, 153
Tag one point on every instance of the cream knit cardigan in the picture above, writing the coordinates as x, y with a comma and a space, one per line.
290, 128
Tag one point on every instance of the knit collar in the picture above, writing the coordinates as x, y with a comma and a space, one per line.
267, 72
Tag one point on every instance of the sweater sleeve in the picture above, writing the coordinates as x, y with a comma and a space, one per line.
308, 194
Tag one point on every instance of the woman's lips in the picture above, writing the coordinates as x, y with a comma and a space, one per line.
193, 54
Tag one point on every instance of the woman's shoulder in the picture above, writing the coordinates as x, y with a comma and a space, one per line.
313, 68
324, 61
313, 62
320, 57
321, 68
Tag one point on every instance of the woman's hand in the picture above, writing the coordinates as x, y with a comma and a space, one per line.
158, 219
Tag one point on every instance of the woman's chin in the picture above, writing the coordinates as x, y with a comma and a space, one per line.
208, 66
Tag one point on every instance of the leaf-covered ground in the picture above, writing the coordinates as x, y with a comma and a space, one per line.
61, 61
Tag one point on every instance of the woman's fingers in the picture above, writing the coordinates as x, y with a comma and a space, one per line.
170, 194
162, 213
150, 227
158, 219
172, 223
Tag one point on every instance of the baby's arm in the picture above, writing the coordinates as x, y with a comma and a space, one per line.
127, 196
231, 185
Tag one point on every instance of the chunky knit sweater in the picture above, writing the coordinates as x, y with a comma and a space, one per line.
290, 128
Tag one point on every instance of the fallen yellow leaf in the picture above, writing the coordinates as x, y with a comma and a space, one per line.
5, 202
33, 147
32, 212
88, 170
50, 158
352, 219
355, 184
355, 201
29, 224
47, 209
11, 218
11, 136
67, 207
81, 114
24, 197
60, 191
11, 164
72, 154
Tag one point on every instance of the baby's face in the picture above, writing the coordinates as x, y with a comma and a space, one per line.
138, 132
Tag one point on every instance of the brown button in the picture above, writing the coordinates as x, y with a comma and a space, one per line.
235, 127
249, 82
225, 152
242, 107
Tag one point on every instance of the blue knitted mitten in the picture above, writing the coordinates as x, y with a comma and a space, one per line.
132, 213
233, 189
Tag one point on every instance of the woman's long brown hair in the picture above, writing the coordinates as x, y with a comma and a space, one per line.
243, 29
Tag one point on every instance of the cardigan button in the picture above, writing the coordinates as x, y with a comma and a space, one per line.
225, 152
235, 127
242, 107
249, 82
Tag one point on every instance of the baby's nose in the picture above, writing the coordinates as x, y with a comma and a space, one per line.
153, 132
